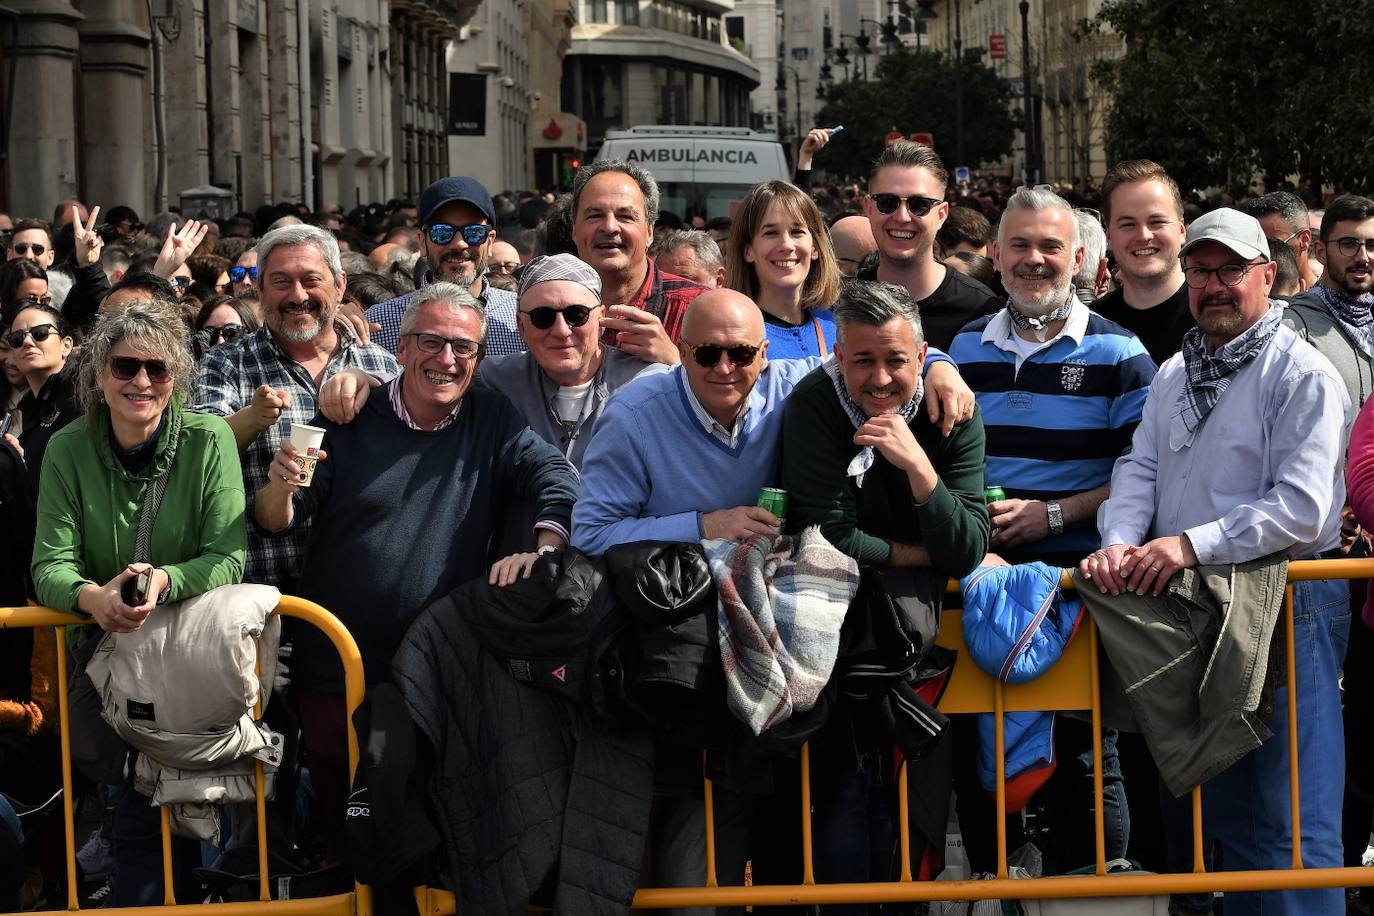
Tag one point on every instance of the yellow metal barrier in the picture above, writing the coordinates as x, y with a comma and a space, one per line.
1071, 684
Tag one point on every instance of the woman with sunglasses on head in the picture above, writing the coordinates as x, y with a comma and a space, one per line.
779, 256
222, 319
22, 282
40, 344
132, 378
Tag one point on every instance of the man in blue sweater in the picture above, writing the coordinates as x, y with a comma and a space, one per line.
404, 503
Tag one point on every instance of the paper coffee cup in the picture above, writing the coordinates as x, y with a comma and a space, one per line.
307, 440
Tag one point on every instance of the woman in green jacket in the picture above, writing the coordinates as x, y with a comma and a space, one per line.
135, 369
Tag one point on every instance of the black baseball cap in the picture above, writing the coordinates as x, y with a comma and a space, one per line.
455, 188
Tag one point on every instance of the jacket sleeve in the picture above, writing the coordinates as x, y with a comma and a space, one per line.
616, 488
1359, 469
817, 446
83, 301
223, 538
58, 547
954, 520
537, 470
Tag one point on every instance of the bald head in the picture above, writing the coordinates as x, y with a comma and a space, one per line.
380, 256
720, 310
852, 239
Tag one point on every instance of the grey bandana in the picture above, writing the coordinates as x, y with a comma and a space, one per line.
1352, 313
864, 459
559, 267
1040, 326
1209, 374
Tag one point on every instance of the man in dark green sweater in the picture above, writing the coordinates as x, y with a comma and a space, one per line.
862, 460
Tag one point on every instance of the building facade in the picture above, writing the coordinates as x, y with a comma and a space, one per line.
314, 101
641, 62
1075, 106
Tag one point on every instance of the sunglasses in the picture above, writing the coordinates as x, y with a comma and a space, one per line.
25, 247
125, 369
434, 344
544, 317
33, 299
917, 205
237, 274
708, 355
39, 333
182, 282
225, 332
473, 233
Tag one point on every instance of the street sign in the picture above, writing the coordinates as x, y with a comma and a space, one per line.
924, 139
961, 173
997, 47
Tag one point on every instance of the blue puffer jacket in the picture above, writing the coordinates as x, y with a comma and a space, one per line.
1016, 625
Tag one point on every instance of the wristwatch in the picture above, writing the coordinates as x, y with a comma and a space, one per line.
167, 590
1056, 515
547, 548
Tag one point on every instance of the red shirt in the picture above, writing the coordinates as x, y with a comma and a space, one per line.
665, 296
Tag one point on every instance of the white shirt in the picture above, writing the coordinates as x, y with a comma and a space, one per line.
728, 436
1001, 333
1262, 475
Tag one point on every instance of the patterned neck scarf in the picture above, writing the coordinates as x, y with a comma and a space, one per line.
1209, 374
864, 459
1352, 313
1040, 326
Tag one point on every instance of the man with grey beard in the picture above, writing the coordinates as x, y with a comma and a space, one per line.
1061, 391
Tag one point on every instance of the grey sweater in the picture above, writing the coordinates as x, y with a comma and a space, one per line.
1314, 324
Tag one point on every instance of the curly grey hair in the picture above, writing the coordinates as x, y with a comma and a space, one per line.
152, 327
301, 235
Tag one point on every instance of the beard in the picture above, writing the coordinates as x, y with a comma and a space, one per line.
296, 333
1038, 306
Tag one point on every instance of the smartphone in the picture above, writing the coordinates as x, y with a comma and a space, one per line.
135, 590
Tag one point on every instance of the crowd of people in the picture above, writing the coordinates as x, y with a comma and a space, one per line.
555, 412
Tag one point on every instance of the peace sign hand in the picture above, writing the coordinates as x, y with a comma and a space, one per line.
88, 241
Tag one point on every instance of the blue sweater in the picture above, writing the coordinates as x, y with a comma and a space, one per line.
652, 470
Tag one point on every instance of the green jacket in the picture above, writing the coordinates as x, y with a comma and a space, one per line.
817, 446
88, 508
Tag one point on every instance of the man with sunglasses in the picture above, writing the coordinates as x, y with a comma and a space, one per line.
906, 208
33, 240
457, 231
405, 505
1238, 457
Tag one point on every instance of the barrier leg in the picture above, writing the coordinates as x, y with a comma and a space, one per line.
708, 792
808, 865
1099, 829
64, 729
1000, 756
1294, 795
169, 894
260, 793
904, 820
1199, 860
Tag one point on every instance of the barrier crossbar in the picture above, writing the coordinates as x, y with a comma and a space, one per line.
1071, 684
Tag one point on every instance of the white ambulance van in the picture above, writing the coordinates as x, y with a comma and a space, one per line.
705, 170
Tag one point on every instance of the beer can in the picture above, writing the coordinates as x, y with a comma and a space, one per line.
775, 501
996, 494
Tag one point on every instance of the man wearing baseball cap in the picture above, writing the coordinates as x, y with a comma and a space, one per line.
457, 230
1238, 457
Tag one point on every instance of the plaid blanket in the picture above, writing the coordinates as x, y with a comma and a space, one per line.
782, 601
1209, 374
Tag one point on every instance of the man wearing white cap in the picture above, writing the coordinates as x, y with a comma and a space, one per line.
1238, 456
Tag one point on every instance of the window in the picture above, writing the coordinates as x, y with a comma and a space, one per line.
627, 12
734, 28
597, 11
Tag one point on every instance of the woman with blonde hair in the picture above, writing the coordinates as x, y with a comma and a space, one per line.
779, 256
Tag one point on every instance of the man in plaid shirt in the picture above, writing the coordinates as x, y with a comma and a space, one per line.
615, 205
456, 236
263, 382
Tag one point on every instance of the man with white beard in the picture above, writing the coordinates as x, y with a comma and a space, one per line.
1060, 390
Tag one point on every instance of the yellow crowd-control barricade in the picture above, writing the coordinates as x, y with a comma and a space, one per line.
1072, 684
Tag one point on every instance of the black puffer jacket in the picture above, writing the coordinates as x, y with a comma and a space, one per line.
526, 781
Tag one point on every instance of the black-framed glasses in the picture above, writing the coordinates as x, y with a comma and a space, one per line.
434, 344
708, 355
916, 204
473, 233
1228, 274
1349, 246
39, 333
126, 368
237, 273
544, 316
503, 267
23, 248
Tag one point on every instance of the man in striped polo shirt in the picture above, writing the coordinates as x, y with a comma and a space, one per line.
1060, 390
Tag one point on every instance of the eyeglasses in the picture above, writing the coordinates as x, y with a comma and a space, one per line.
708, 355
182, 282
33, 299
125, 369
504, 267
238, 273
544, 317
1228, 274
23, 248
225, 332
919, 206
39, 333
473, 233
1350, 246
434, 344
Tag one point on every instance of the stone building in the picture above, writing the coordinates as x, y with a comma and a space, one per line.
642, 62
114, 106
